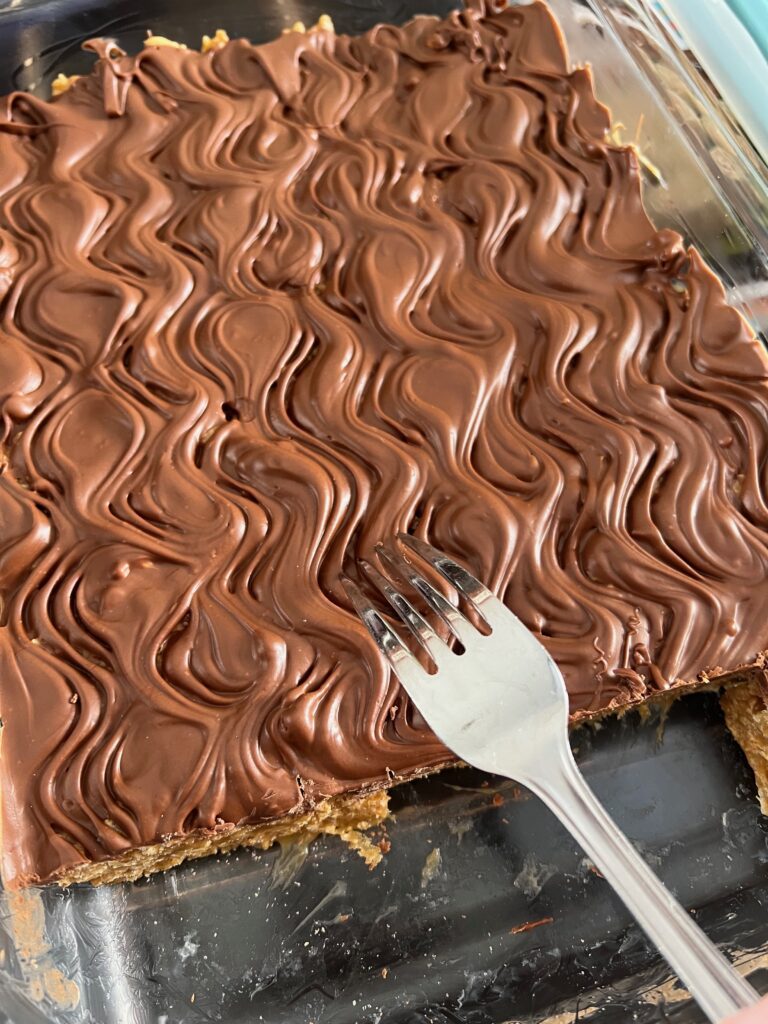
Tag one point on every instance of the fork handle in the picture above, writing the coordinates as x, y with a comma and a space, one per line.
718, 989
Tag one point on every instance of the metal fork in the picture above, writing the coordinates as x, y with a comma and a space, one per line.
502, 706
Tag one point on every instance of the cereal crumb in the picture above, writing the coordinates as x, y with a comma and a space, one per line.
214, 42
163, 41
62, 83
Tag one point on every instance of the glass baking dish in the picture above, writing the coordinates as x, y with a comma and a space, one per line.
507, 921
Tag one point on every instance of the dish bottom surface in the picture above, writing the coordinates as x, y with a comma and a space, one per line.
507, 921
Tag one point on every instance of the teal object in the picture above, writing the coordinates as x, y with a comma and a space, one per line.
753, 14
734, 60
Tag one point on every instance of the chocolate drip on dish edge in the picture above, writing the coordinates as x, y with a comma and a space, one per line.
264, 307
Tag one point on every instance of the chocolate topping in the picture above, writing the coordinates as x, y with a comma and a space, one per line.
262, 308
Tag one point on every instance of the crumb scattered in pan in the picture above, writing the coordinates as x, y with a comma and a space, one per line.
587, 865
432, 866
460, 828
189, 948
361, 843
533, 875
23, 910
530, 925
670, 991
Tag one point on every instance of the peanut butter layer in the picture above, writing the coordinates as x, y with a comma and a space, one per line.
343, 816
746, 715
263, 306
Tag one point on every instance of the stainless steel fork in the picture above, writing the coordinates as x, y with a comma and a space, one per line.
501, 705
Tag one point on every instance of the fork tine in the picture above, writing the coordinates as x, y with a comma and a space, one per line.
420, 628
410, 673
461, 628
463, 581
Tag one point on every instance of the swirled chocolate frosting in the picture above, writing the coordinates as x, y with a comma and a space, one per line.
263, 307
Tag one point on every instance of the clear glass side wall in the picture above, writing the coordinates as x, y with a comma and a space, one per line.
702, 177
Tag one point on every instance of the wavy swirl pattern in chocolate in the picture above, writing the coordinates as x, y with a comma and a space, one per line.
264, 307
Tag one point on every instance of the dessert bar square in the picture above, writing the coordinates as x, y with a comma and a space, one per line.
264, 306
